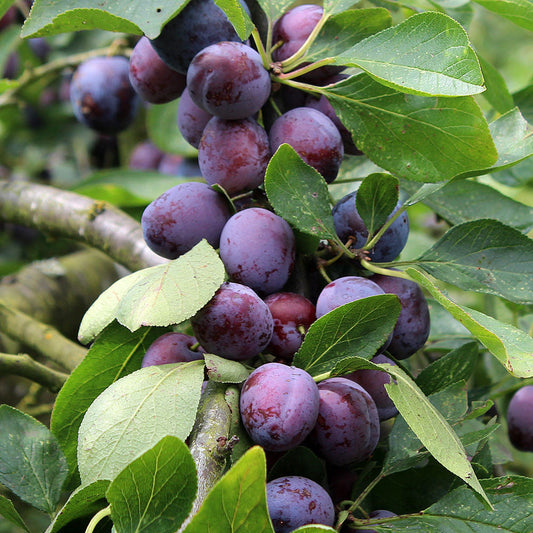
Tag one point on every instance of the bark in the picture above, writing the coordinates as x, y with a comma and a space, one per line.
66, 214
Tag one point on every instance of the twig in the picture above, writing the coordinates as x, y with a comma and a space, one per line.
24, 366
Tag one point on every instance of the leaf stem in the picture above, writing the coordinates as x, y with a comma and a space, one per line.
321, 377
385, 271
357, 503
296, 58
265, 56
372, 242
305, 69
106, 511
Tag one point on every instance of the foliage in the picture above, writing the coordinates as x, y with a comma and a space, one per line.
440, 130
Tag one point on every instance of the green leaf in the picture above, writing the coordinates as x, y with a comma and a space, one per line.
157, 296
484, 256
343, 30
512, 347
413, 137
237, 16
430, 427
114, 354
83, 502
336, 6
49, 17
163, 131
357, 328
274, 8
155, 492
232, 397
453, 367
317, 528
127, 187
32, 464
427, 54
134, 413
237, 503
464, 200
8, 511
299, 194
5, 5
376, 198
405, 449
225, 371
461, 510
497, 93
299, 461
520, 12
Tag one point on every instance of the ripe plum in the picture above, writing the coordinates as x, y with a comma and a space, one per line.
153, 80
145, 156
295, 501
313, 136
228, 80
171, 348
199, 24
182, 216
191, 119
235, 324
347, 429
292, 314
258, 249
412, 328
373, 382
520, 419
348, 224
279, 406
101, 94
234, 154
344, 290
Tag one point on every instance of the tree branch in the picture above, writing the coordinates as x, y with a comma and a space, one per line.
40, 337
213, 421
70, 215
59, 291
24, 366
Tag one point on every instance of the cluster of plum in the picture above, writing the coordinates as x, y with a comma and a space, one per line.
225, 112
234, 115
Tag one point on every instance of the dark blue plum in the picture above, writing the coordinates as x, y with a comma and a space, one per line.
373, 382
313, 136
101, 94
153, 80
182, 216
348, 224
347, 429
191, 119
520, 419
236, 324
294, 501
234, 154
279, 406
228, 80
412, 328
258, 249
177, 165
199, 24
344, 290
172, 348
292, 314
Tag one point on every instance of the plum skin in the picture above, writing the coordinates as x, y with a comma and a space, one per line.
520, 419
101, 94
236, 324
295, 501
279, 406
258, 249
176, 221
171, 347
347, 429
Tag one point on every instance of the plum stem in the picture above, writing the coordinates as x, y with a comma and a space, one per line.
384, 271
